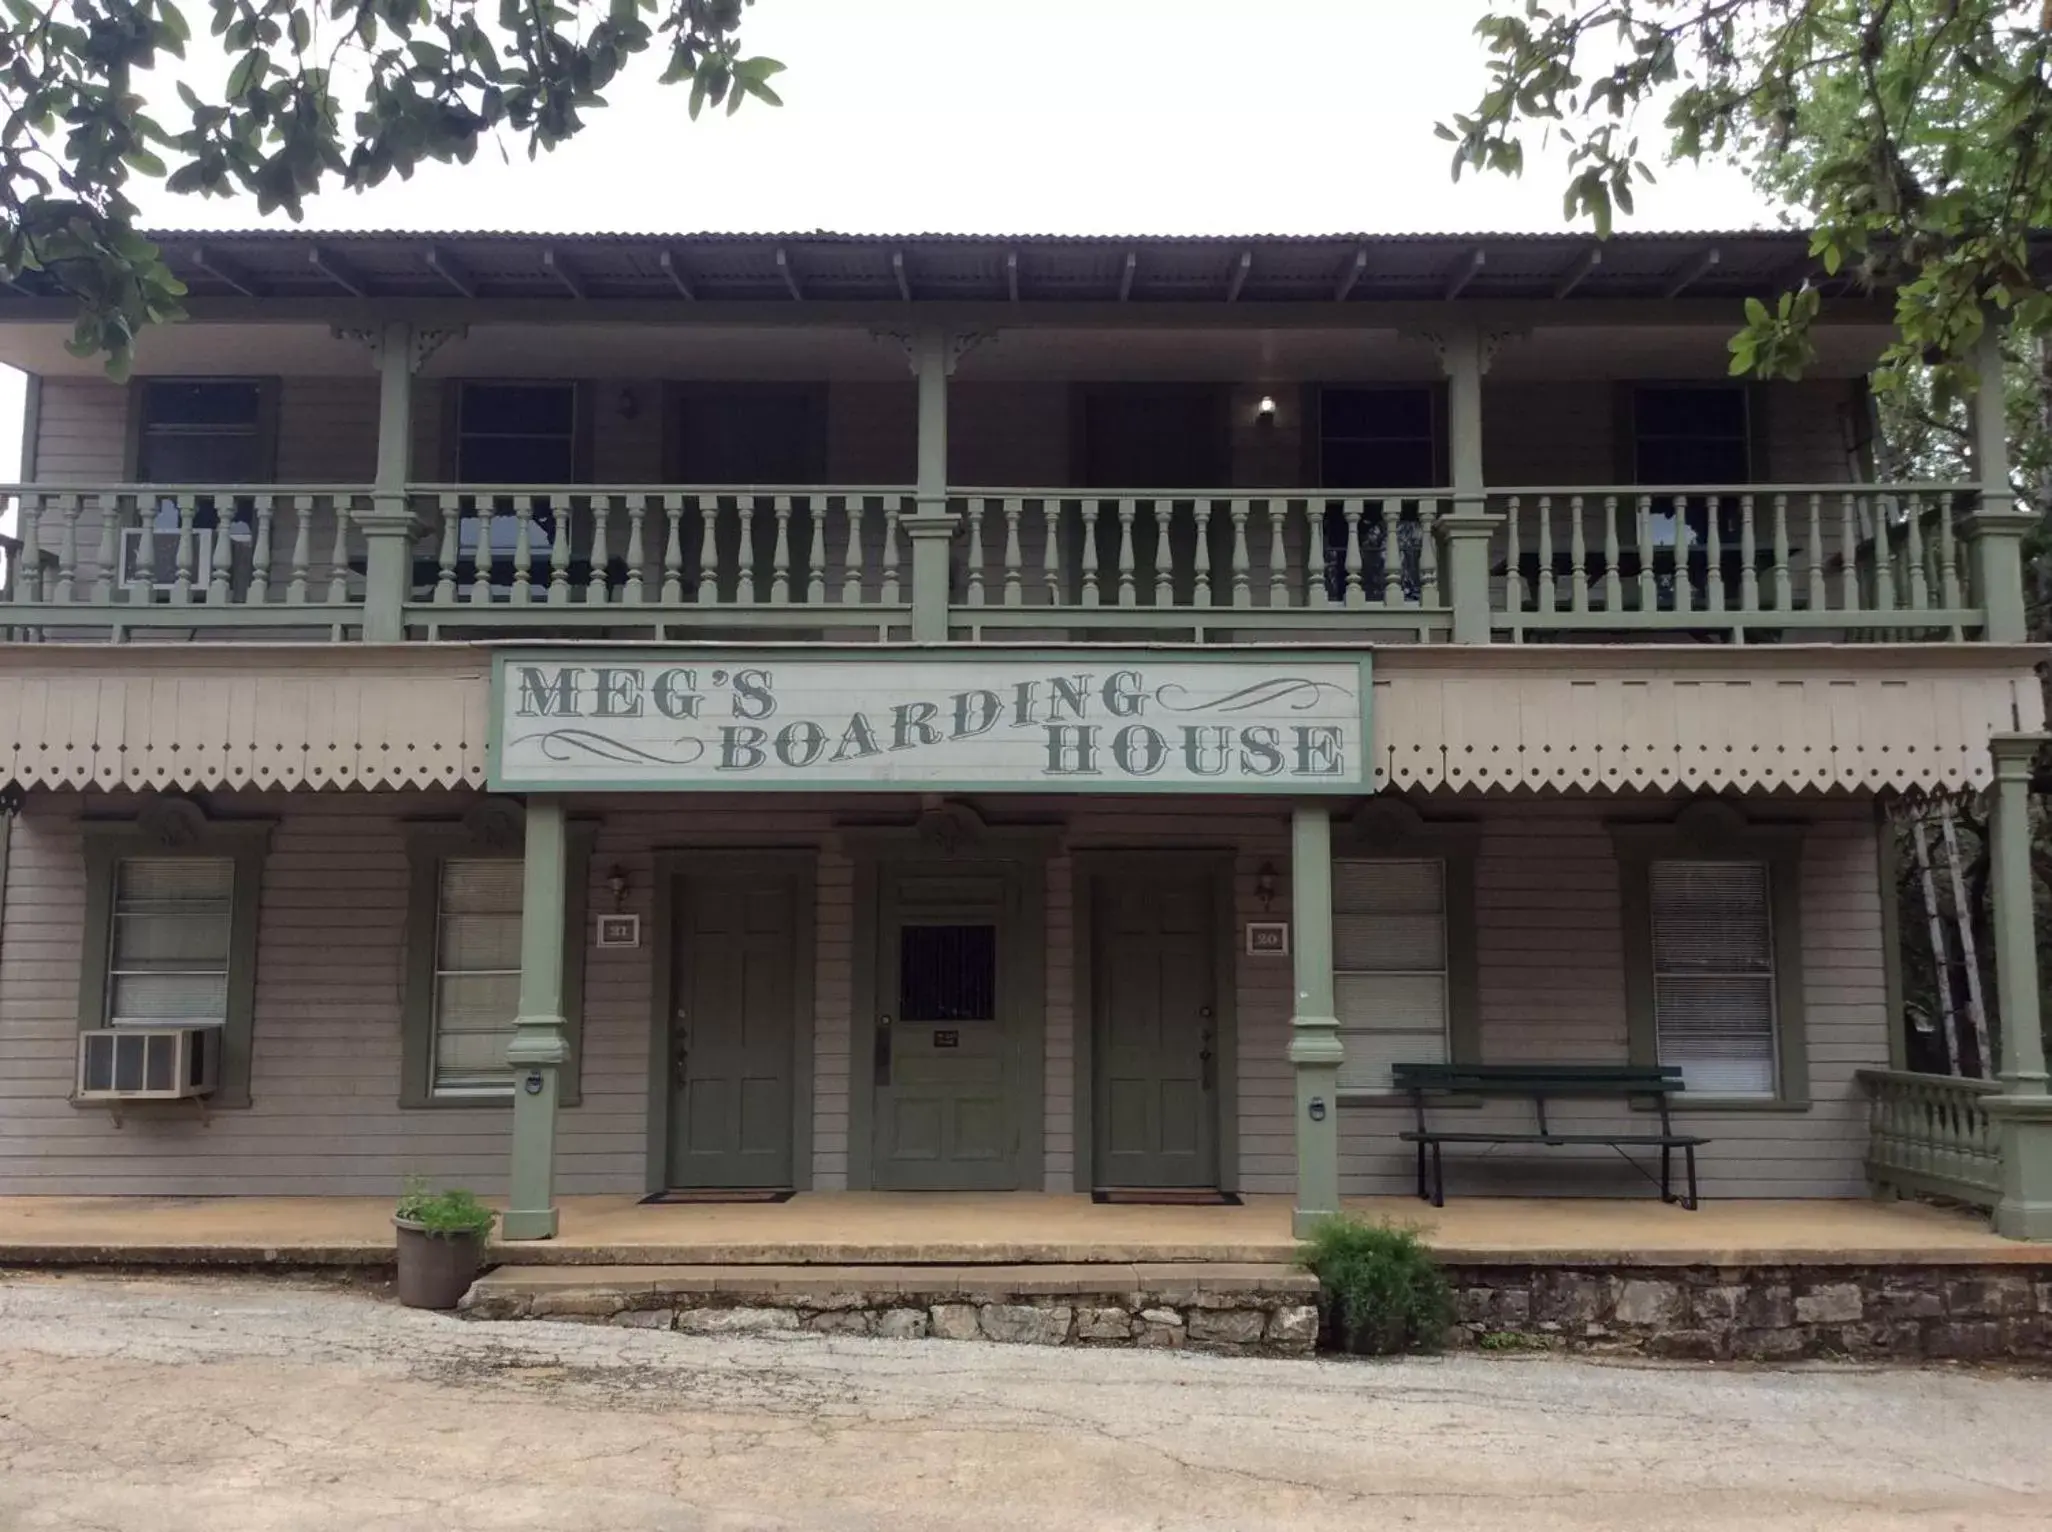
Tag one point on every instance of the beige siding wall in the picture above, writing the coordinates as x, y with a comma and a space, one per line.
331, 938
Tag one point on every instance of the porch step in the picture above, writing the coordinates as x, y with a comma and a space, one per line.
1233, 1305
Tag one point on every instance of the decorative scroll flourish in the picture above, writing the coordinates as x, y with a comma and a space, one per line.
587, 744
1300, 694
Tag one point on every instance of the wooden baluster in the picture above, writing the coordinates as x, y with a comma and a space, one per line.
598, 581
523, 554
260, 553
1354, 552
1578, 558
1884, 555
220, 577
672, 507
635, 593
1849, 555
1122, 549
853, 553
746, 572
1164, 512
1391, 515
302, 545
973, 591
28, 581
1243, 557
1015, 563
1279, 552
1547, 588
1749, 574
1613, 577
1051, 549
1948, 556
1089, 552
182, 555
890, 552
1784, 584
1202, 591
446, 556
1913, 556
1513, 556
1713, 554
484, 550
780, 554
338, 562
559, 554
67, 548
821, 514
1649, 582
709, 551
109, 555
1428, 552
1817, 598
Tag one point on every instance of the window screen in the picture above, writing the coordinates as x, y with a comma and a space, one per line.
477, 974
1389, 966
201, 432
517, 434
1713, 974
947, 973
168, 964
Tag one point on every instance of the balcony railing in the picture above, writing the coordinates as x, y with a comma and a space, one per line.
1851, 561
1929, 1135
1752, 563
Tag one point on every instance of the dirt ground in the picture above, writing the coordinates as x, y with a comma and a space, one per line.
165, 1405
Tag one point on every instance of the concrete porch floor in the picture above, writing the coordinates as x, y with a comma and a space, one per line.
852, 1228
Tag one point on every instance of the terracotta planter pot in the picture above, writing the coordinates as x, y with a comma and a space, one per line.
435, 1270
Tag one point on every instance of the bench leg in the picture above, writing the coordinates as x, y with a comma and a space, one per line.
1667, 1172
1689, 1152
1421, 1170
1438, 1177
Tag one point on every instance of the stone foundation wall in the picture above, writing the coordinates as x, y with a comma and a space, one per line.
1278, 1320
1768, 1313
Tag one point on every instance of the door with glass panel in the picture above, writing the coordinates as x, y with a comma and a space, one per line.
946, 1107
1389, 965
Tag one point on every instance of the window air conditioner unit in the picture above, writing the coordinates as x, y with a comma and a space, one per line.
148, 1063
149, 562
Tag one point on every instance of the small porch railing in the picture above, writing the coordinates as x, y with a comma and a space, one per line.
1184, 559
1929, 1135
1811, 561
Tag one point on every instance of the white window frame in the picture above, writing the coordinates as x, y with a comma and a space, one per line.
1764, 978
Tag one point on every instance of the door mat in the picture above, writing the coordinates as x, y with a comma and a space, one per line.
1165, 1196
702, 1194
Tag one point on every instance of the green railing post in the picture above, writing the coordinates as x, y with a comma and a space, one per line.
387, 523
2022, 1114
1994, 532
1315, 1053
1465, 533
931, 527
540, 1046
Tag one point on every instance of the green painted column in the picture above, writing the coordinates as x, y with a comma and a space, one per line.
1465, 532
931, 527
387, 524
2022, 1114
540, 1045
1995, 531
1315, 1051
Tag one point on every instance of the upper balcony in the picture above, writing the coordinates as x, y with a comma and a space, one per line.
1402, 440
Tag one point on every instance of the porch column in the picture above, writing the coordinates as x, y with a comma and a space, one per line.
931, 527
2022, 1114
1995, 531
1465, 531
1314, 1030
387, 527
540, 1045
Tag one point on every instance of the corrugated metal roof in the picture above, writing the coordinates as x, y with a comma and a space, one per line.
1029, 268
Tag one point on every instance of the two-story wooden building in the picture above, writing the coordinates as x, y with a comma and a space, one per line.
611, 714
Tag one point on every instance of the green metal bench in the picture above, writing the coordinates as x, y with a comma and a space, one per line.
1541, 1083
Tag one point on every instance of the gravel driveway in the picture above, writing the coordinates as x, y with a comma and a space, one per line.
221, 1405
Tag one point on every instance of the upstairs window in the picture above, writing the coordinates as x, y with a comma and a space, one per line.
204, 431
1688, 437
516, 434
1376, 438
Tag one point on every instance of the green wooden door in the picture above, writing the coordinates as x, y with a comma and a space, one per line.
946, 1111
1155, 1019
733, 1025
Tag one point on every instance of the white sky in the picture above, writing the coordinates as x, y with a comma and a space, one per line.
1028, 116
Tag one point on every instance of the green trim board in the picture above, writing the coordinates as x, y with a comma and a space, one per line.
1219, 865
1711, 829
178, 827
890, 718
673, 867
493, 828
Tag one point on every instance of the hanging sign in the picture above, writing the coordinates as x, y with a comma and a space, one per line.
1082, 721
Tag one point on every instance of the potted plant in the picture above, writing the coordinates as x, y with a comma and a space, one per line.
441, 1238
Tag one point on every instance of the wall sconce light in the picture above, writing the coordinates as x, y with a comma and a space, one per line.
616, 880
1264, 412
1264, 884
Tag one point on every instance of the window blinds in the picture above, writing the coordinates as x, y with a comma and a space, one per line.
477, 973
1713, 974
1389, 966
168, 963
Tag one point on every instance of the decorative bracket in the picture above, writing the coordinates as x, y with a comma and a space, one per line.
959, 344
421, 343
1488, 343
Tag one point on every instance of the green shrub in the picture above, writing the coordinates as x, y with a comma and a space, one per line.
449, 1214
1379, 1287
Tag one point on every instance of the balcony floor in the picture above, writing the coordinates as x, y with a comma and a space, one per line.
849, 1228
